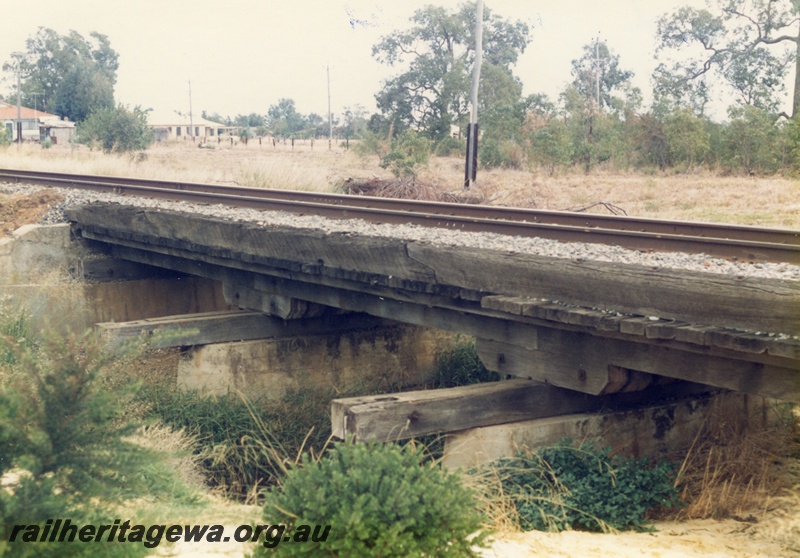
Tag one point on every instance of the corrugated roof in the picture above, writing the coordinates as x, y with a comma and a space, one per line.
156, 118
9, 112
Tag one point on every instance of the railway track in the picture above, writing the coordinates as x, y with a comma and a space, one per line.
743, 243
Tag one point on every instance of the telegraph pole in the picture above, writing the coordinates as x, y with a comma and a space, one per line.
471, 167
19, 104
330, 118
597, 70
191, 122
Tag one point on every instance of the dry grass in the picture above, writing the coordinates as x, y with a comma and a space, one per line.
737, 470
704, 196
178, 447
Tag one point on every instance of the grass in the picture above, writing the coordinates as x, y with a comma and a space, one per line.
706, 196
736, 470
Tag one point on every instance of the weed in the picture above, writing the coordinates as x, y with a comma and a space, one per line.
461, 366
563, 487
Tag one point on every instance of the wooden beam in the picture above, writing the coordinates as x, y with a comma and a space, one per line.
224, 327
416, 413
752, 304
587, 363
116, 269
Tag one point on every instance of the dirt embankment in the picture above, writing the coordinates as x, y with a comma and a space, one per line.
23, 209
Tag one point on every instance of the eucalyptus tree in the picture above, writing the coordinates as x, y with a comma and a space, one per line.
597, 74
751, 45
66, 74
435, 57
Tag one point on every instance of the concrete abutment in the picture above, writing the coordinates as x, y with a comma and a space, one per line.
69, 286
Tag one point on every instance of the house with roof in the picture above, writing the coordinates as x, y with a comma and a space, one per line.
37, 125
172, 125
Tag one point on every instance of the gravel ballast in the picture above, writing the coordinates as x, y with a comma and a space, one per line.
487, 241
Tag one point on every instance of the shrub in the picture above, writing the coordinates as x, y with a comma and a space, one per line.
47, 143
450, 146
408, 153
116, 130
584, 487
63, 442
381, 500
500, 153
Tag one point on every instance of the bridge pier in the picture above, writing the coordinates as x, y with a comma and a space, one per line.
348, 354
655, 430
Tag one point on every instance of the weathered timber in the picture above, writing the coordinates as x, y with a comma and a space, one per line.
226, 326
402, 415
283, 307
416, 308
580, 361
416, 413
304, 250
657, 329
703, 298
754, 304
115, 269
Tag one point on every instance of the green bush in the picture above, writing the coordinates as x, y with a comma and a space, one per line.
381, 500
116, 130
450, 146
409, 152
461, 366
65, 443
583, 487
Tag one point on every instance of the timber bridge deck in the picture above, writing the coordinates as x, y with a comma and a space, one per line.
597, 328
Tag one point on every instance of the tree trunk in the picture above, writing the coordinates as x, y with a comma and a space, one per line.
796, 95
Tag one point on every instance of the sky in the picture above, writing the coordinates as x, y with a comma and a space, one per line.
242, 56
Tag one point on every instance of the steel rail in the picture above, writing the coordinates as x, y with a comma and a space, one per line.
720, 240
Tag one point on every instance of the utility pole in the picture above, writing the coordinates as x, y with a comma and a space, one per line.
19, 104
597, 70
471, 167
330, 118
191, 122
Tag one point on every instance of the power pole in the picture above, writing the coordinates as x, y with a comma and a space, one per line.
597, 70
471, 167
19, 104
191, 122
330, 118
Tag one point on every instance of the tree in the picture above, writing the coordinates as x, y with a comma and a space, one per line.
355, 121
251, 120
751, 139
687, 137
283, 118
116, 130
746, 43
598, 67
549, 143
67, 75
84, 90
432, 93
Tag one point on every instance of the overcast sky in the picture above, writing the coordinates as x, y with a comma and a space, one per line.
242, 56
